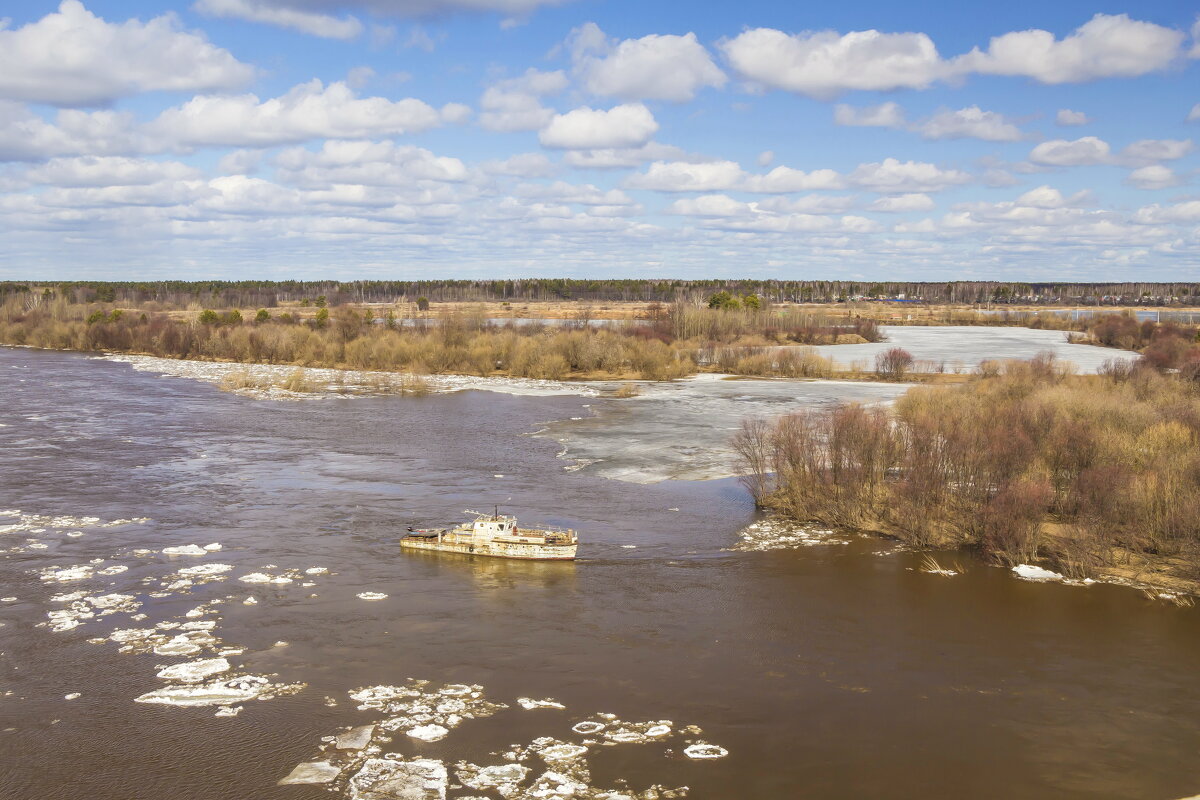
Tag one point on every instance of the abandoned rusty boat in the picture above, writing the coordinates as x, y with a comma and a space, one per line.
498, 536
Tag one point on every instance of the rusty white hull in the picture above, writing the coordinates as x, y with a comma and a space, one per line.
531, 551
497, 537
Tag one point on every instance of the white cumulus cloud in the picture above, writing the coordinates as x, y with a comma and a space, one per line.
884, 115
654, 67
514, 104
969, 123
1066, 117
823, 64
96, 171
1154, 176
1107, 46
629, 125
1081, 152
915, 201
1157, 149
905, 177
312, 23
307, 111
74, 58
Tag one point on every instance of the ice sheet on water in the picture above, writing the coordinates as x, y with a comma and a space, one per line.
56, 574
201, 570
216, 693
344, 383
372, 596
703, 750
528, 703
311, 772
194, 671
775, 533
1031, 572
428, 733
185, 550
396, 779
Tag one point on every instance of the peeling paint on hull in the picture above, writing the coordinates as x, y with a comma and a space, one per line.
520, 550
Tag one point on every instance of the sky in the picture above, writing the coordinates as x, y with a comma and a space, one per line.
401, 139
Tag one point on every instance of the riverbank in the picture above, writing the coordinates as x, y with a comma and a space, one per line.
1093, 476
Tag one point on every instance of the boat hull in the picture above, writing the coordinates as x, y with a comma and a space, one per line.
527, 551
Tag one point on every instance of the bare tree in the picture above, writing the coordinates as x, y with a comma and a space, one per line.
753, 446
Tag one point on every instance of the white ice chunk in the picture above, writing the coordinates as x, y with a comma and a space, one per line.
428, 733
705, 750
355, 738
217, 693
1030, 572
529, 703
194, 671
372, 596
388, 778
311, 772
185, 550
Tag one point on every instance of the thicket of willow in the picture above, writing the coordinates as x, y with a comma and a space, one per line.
663, 347
1025, 461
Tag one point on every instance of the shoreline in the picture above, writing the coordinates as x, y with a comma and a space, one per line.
777, 531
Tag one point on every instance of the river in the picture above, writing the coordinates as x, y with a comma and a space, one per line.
835, 670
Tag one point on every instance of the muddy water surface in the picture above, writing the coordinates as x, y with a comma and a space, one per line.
828, 671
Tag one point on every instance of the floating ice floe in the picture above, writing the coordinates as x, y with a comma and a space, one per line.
504, 779
72, 696
428, 733
185, 550
1030, 572
317, 571
201, 570
228, 711
255, 577
115, 569
779, 534
386, 778
225, 692
66, 574
212, 548
312, 772
194, 671
355, 738
529, 703
701, 750
372, 596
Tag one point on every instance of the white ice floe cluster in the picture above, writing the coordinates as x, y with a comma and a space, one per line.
778, 534
203, 676
80, 607
343, 383
361, 763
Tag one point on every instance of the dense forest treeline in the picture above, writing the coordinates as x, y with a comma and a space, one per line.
269, 294
1098, 474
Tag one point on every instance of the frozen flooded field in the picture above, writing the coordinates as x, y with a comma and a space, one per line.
960, 348
201, 597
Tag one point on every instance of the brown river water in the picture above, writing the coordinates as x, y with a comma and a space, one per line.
828, 671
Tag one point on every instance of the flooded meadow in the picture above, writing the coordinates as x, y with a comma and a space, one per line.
202, 596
